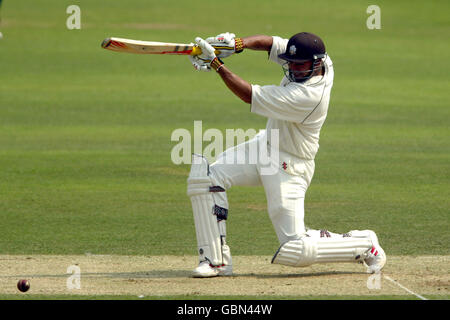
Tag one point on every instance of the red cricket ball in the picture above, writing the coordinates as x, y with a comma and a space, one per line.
23, 285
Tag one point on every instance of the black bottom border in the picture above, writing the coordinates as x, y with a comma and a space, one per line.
222, 309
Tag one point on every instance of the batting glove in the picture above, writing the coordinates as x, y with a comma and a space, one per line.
226, 43
207, 60
199, 64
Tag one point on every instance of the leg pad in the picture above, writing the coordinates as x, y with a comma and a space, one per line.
209, 218
307, 250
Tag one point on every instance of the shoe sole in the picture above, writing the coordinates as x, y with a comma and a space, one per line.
225, 273
209, 275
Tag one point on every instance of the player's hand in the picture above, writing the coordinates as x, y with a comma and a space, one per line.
224, 43
207, 60
207, 50
202, 62
199, 64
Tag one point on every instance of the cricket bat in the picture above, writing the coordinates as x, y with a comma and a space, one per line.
150, 47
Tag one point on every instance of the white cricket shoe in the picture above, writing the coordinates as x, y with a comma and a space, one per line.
375, 258
225, 271
206, 270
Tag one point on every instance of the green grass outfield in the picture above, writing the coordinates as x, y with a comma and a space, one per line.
85, 133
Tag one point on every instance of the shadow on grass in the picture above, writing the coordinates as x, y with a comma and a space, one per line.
167, 274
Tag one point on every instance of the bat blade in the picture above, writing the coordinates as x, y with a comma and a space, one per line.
148, 47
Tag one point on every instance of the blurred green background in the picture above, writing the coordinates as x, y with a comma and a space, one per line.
85, 133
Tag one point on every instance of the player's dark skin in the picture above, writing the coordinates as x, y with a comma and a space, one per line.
242, 88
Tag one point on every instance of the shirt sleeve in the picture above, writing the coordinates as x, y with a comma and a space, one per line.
288, 103
278, 47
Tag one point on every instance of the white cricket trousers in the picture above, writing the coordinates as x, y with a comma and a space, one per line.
285, 184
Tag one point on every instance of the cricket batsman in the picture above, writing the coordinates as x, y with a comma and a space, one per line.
296, 109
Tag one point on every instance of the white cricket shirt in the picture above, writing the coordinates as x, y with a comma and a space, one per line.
297, 110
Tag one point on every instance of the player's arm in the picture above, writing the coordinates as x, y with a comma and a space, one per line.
208, 60
227, 43
236, 84
257, 42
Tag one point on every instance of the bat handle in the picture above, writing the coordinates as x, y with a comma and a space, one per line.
197, 51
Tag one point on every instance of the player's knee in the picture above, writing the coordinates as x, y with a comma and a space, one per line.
202, 178
218, 177
198, 181
296, 253
275, 210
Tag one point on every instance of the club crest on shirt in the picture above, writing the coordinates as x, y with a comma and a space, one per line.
284, 165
